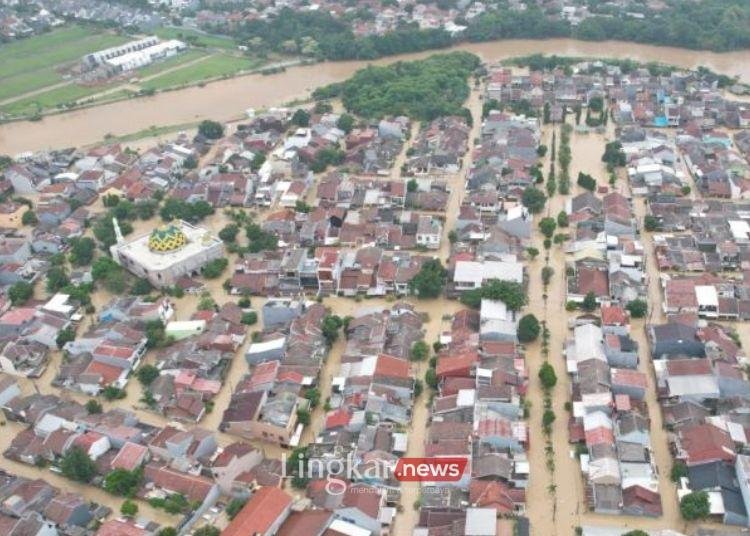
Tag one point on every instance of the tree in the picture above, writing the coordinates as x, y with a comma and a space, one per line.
548, 418
589, 302
301, 118
650, 223
93, 407
147, 374
229, 232
77, 465
685, 190
129, 508
636, 532
547, 226
212, 130
167, 531
249, 318
533, 199
695, 506
345, 123
547, 273
303, 416
614, 155
419, 351
29, 218
302, 207
452, 236
234, 507
112, 392
586, 181
679, 470
547, 376
122, 482
57, 278
541, 151
429, 281
510, 293
596, 104
637, 308
214, 268
562, 219
81, 251
141, 287
430, 378
313, 395
412, 185
20, 292
528, 328
330, 328
64, 336
532, 252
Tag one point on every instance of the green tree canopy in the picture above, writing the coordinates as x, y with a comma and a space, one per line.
429, 281
213, 130
528, 328
695, 506
533, 199
77, 465
637, 308
547, 376
20, 292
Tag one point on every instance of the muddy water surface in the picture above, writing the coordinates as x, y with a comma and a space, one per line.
227, 99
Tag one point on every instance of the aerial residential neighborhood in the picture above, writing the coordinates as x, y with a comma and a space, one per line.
258, 277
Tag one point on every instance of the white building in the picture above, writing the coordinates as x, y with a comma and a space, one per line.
471, 274
167, 253
134, 54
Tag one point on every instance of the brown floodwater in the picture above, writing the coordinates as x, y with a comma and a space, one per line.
227, 99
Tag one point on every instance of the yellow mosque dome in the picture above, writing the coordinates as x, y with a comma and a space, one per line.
167, 238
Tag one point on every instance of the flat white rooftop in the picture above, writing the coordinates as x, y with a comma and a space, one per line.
199, 240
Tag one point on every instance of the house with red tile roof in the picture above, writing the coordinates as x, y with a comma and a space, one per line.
130, 456
704, 443
263, 514
194, 487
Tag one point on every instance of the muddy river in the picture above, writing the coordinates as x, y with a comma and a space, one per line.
227, 99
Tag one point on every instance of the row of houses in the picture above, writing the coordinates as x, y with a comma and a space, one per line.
703, 390
609, 422
477, 414
285, 362
605, 257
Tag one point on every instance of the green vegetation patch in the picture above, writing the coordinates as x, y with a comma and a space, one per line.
216, 66
31, 64
423, 89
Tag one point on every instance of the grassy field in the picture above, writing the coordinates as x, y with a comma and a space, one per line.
49, 99
169, 63
215, 66
196, 38
31, 64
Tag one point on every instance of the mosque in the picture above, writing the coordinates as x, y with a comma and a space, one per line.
168, 252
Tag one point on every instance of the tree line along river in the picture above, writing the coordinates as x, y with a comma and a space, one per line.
224, 100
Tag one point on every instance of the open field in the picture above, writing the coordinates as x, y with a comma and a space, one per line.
49, 99
30, 64
215, 66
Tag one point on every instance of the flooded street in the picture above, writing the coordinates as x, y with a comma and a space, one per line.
227, 99
561, 512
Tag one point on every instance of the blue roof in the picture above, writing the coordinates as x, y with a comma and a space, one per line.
661, 121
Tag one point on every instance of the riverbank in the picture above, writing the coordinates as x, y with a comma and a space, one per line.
226, 99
